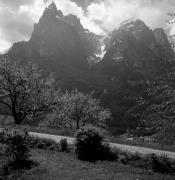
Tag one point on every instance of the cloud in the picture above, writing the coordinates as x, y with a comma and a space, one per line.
85, 3
15, 4
69, 7
15, 26
17, 20
110, 13
101, 16
4, 45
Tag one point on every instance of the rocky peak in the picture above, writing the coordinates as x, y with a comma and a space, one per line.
51, 10
74, 21
55, 38
133, 24
130, 31
52, 6
140, 31
48, 21
135, 46
161, 38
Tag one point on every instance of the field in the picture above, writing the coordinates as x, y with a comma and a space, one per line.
63, 166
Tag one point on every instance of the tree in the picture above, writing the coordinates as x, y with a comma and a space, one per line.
23, 91
77, 109
156, 109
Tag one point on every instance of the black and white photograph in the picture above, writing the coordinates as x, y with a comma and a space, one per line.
87, 89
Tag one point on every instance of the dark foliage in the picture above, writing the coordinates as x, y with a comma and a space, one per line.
33, 142
18, 150
64, 145
5, 169
42, 143
161, 164
89, 145
123, 159
157, 163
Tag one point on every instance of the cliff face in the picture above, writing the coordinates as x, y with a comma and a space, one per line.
134, 47
163, 41
58, 37
55, 38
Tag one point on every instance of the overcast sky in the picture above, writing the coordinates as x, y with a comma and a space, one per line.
18, 16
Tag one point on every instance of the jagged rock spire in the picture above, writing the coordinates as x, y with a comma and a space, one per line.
52, 10
52, 6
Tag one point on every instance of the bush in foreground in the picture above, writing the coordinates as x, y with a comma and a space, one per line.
161, 164
42, 143
18, 149
6, 134
89, 145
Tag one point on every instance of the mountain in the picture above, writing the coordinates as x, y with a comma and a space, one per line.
134, 49
53, 38
137, 61
58, 37
118, 67
60, 44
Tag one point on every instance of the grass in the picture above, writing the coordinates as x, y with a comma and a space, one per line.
64, 166
59, 132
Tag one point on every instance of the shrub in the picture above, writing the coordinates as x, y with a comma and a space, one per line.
64, 145
42, 143
18, 148
108, 153
89, 145
33, 142
5, 134
132, 156
5, 169
161, 164
123, 159
46, 143
135, 156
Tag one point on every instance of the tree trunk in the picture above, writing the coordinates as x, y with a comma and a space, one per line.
16, 118
78, 126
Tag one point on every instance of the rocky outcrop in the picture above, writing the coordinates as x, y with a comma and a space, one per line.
133, 47
58, 37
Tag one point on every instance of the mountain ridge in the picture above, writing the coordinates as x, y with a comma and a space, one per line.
135, 46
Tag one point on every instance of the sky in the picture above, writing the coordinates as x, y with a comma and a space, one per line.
17, 17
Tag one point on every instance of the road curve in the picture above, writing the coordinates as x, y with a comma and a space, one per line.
129, 148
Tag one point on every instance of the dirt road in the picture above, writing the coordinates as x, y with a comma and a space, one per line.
133, 149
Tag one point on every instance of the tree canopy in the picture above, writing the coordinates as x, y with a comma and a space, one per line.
23, 91
75, 109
